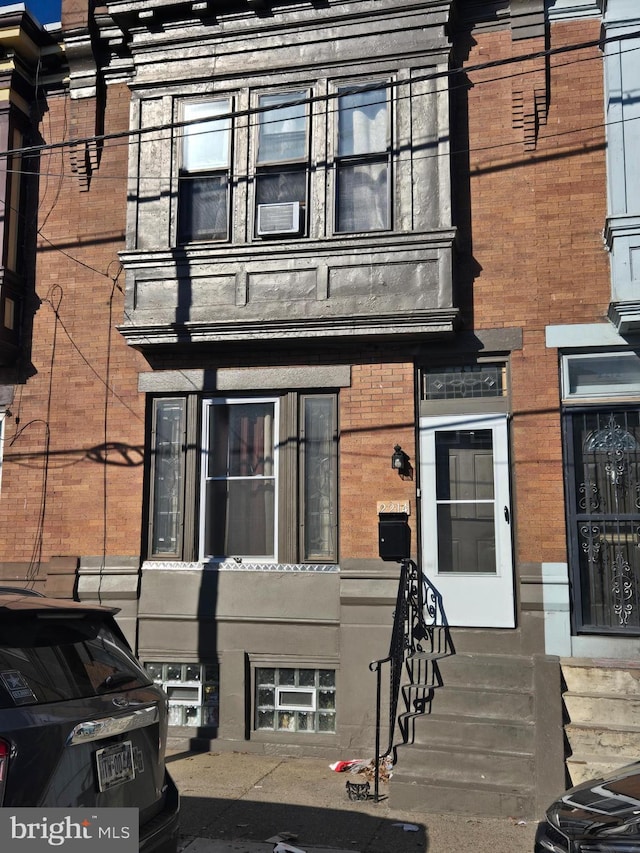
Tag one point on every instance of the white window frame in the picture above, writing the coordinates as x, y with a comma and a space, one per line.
342, 89
595, 392
309, 691
207, 404
265, 167
204, 171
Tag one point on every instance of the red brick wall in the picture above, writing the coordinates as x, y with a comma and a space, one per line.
376, 413
537, 217
58, 496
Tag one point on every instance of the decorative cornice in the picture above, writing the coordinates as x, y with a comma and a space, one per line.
566, 10
625, 316
414, 324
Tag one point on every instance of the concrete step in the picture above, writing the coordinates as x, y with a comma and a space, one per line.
587, 676
583, 767
613, 708
604, 739
463, 764
413, 793
438, 730
487, 670
482, 703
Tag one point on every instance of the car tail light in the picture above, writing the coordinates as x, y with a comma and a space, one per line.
5, 752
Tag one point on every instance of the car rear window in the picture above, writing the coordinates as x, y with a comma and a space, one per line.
45, 658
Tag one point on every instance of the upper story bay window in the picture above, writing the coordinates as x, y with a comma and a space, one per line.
203, 198
282, 164
363, 160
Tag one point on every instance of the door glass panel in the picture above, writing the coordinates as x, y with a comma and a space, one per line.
465, 501
606, 519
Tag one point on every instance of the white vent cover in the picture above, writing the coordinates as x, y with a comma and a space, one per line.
279, 218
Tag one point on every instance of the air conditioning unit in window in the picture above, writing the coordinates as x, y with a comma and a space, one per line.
274, 219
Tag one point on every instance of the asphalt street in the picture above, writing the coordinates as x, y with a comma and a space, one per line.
237, 802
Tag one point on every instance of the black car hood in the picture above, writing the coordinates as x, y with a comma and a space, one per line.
601, 808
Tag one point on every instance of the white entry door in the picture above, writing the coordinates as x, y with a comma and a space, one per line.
466, 517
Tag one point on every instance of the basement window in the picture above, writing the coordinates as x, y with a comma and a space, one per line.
295, 700
193, 690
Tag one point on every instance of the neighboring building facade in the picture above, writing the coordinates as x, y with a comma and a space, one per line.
276, 240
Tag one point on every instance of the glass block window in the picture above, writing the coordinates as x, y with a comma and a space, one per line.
295, 700
193, 690
464, 382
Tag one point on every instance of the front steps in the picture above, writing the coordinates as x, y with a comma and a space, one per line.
473, 750
602, 702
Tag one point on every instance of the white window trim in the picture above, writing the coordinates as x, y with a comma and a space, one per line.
204, 450
599, 392
336, 159
309, 691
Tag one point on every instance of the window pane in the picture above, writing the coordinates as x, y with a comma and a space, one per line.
463, 382
241, 440
287, 676
307, 677
466, 507
320, 476
168, 476
240, 488
283, 129
363, 123
206, 145
203, 208
327, 678
278, 187
598, 375
240, 518
363, 197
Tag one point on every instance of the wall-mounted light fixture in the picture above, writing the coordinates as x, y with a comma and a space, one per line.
400, 462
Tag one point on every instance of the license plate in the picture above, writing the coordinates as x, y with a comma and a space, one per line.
115, 765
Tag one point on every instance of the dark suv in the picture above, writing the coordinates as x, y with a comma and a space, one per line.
81, 723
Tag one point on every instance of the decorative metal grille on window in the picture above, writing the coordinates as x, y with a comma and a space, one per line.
193, 690
464, 382
295, 700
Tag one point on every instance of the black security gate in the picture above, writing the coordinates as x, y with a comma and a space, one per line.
603, 448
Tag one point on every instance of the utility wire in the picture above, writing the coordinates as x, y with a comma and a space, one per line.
138, 133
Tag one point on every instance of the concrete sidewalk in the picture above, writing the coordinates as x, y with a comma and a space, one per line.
235, 802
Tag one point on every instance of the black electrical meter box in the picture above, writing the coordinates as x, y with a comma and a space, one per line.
394, 535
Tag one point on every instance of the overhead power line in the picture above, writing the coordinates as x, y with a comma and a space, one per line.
449, 73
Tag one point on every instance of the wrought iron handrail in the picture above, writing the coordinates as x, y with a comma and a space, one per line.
417, 613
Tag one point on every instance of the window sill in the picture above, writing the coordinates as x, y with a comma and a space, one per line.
233, 566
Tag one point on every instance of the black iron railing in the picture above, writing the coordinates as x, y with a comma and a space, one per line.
419, 637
